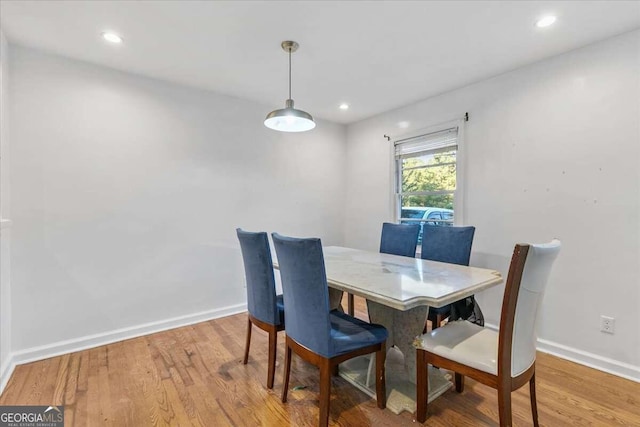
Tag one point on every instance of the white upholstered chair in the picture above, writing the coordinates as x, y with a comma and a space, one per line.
504, 360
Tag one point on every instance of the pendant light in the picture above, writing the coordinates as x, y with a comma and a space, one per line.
289, 119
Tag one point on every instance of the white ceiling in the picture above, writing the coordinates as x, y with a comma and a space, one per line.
374, 55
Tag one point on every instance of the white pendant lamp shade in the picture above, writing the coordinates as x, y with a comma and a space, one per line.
289, 119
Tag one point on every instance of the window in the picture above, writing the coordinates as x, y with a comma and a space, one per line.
426, 178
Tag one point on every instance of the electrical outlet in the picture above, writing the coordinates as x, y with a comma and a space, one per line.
607, 324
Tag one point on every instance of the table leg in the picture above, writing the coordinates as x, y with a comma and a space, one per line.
403, 327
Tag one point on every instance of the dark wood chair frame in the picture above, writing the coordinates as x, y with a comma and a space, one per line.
504, 383
329, 367
272, 330
436, 320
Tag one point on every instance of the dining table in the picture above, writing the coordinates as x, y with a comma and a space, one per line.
398, 291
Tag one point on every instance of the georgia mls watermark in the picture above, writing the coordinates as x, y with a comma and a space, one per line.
31, 416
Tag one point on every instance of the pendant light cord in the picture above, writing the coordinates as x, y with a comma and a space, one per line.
289, 73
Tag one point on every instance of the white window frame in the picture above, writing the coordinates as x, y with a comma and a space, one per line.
459, 196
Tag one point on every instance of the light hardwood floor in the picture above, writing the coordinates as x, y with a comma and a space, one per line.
194, 376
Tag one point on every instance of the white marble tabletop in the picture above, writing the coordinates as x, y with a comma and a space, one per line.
402, 282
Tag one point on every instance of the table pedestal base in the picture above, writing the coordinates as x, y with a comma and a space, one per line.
401, 392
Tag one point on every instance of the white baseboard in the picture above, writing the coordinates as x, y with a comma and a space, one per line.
601, 363
90, 341
5, 372
605, 364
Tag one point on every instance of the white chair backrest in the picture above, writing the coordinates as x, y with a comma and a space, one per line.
534, 280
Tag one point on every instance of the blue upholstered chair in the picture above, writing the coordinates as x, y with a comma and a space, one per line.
396, 239
321, 337
399, 239
446, 244
266, 309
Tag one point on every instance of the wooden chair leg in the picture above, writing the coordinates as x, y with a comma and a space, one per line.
350, 304
439, 320
325, 392
381, 388
504, 405
248, 344
287, 371
273, 341
459, 382
422, 385
335, 371
534, 404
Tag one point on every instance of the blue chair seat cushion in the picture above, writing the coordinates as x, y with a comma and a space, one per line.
280, 307
349, 333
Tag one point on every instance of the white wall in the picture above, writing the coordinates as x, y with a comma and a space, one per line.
553, 151
5, 232
127, 192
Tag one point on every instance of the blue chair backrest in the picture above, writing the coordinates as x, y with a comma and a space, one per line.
399, 239
447, 244
305, 291
258, 269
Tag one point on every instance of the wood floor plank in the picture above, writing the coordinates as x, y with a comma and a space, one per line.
41, 382
104, 396
71, 386
93, 414
60, 386
147, 382
194, 376
75, 413
205, 404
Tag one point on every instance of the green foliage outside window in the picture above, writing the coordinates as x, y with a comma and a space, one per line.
424, 174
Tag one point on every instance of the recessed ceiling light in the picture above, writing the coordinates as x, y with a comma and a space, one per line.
403, 125
546, 21
344, 106
111, 37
